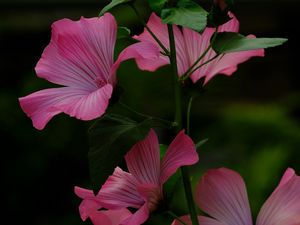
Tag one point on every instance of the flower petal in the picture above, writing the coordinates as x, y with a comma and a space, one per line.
161, 32
227, 64
221, 193
203, 220
89, 205
287, 176
146, 55
143, 160
41, 106
283, 206
152, 194
99, 218
110, 217
139, 217
80, 53
120, 191
181, 152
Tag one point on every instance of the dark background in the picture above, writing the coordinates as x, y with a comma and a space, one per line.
251, 119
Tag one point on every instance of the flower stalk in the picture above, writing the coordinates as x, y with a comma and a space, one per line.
178, 120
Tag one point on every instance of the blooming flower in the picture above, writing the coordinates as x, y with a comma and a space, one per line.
80, 58
221, 193
89, 209
189, 47
141, 188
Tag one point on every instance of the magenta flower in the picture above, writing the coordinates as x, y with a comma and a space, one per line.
89, 209
80, 58
189, 47
141, 188
221, 193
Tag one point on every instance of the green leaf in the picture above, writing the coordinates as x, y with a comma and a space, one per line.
110, 139
187, 14
123, 32
112, 5
227, 42
157, 5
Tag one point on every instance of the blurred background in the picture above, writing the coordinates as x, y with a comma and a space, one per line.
252, 119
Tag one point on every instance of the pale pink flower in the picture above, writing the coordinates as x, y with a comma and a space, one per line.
141, 187
80, 58
189, 47
221, 193
89, 209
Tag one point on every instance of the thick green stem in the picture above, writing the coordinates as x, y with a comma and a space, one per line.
178, 119
176, 84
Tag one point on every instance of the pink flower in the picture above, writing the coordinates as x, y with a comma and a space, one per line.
221, 193
141, 188
80, 58
189, 47
89, 209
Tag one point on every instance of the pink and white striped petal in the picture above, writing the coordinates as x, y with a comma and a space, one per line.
221, 193
110, 217
90, 203
161, 31
139, 217
77, 102
181, 152
143, 160
80, 53
41, 106
283, 206
146, 55
227, 64
120, 191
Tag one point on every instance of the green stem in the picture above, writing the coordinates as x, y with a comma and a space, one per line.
167, 122
178, 119
166, 51
177, 217
188, 115
176, 84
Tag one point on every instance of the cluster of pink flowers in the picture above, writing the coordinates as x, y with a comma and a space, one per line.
80, 58
141, 188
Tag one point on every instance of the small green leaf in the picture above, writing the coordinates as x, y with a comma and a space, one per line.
112, 5
187, 14
227, 42
157, 5
110, 139
123, 32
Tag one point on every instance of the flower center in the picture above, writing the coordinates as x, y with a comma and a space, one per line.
99, 82
154, 197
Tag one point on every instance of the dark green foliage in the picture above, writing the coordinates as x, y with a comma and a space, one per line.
157, 5
110, 139
187, 14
